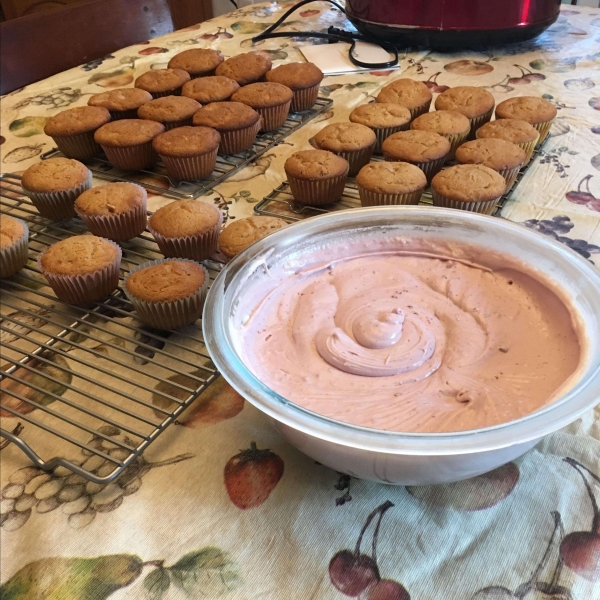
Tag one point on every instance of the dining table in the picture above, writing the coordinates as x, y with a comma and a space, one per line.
220, 505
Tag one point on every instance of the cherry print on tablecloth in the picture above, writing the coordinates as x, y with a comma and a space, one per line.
434, 86
584, 197
152, 50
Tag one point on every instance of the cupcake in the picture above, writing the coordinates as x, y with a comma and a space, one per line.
303, 79
237, 123
414, 95
188, 153
81, 269
502, 156
536, 111
468, 187
210, 89
316, 177
163, 82
386, 183
171, 111
352, 141
270, 100
474, 103
116, 211
122, 103
245, 68
383, 119
197, 62
54, 184
14, 249
187, 229
240, 234
517, 131
73, 130
127, 143
167, 294
449, 123
424, 149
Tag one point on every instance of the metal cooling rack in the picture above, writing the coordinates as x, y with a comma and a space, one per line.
226, 165
104, 384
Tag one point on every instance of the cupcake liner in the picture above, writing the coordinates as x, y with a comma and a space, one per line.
431, 169
529, 147
14, 257
484, 208
86, 288
233, 142
419, 110
59, 205
357, 159
317, 192
384, 132
274, 116
190, 168
543, 128
174, 124
304, 99
477, 122
131, 158
510, 175
176, 92
370, 198
116, 115
168, 315
455, 139
79, 146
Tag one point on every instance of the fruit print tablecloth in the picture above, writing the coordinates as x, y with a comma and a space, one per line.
220, 505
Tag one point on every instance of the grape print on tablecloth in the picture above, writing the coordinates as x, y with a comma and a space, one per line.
58, 98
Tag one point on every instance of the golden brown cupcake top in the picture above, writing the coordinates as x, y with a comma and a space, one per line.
345, 137
111, 199
73, 121
11, 231
162, 80
444, 122
315, 164
380, 115
263, 95
528, 108
127, 132
240, 234
167, 281
469, 183
407, 92
391, 178
245, 68
197, 61
516, 131
416, 146
187, 141
296, 76
185, 217
491, 152
55, 175
469, 101
168, 109
79, 254
226, 116
121, 99
210, 89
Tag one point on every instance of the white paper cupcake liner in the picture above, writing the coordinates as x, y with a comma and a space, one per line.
304, 99
477, 122
543, 128
274, 116
174, 124
510, 175
168, 315
117, 115
14, 257
131, 158
59, 205
79, 146
419, 110
384, 132
484, 208
175, 92
455, 139
529, 147
357, 159
371, 198
430, 169
234, 142
190, 168
318, 191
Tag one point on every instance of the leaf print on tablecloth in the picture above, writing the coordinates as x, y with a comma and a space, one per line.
25, 322
249, 27
256, 169
555, 159
28, 126
23, 153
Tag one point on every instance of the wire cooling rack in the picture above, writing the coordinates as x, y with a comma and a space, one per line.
94, 377
156, 179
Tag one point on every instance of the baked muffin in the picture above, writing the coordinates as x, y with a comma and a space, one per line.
73, 130
270, 100
424, 149
81, 269
54, 184
241, 233
449, 123
116, 211
237, 123
536, 111
14, 249
468, 187
127, 143
384, 119
414, 95
352, 141
171, 111
390, 183
502, 156
167, 294
122, 103
197, 62
517, 131
163, 82
303, 78
187, 229
245, 68
316, 177
474, 103
210, 89
188, 153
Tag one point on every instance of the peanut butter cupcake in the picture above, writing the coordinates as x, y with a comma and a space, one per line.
474, 103
241, 233
197, 62
449, 123
384, 119
122, 103
210, 89
163, 82
536, 111
245, 68
352, 141
387, 183
187, 229
270, 100
14, 248
414, 95
517, 131
303, 78
171, 111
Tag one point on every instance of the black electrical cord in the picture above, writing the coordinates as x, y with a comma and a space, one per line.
333, 35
